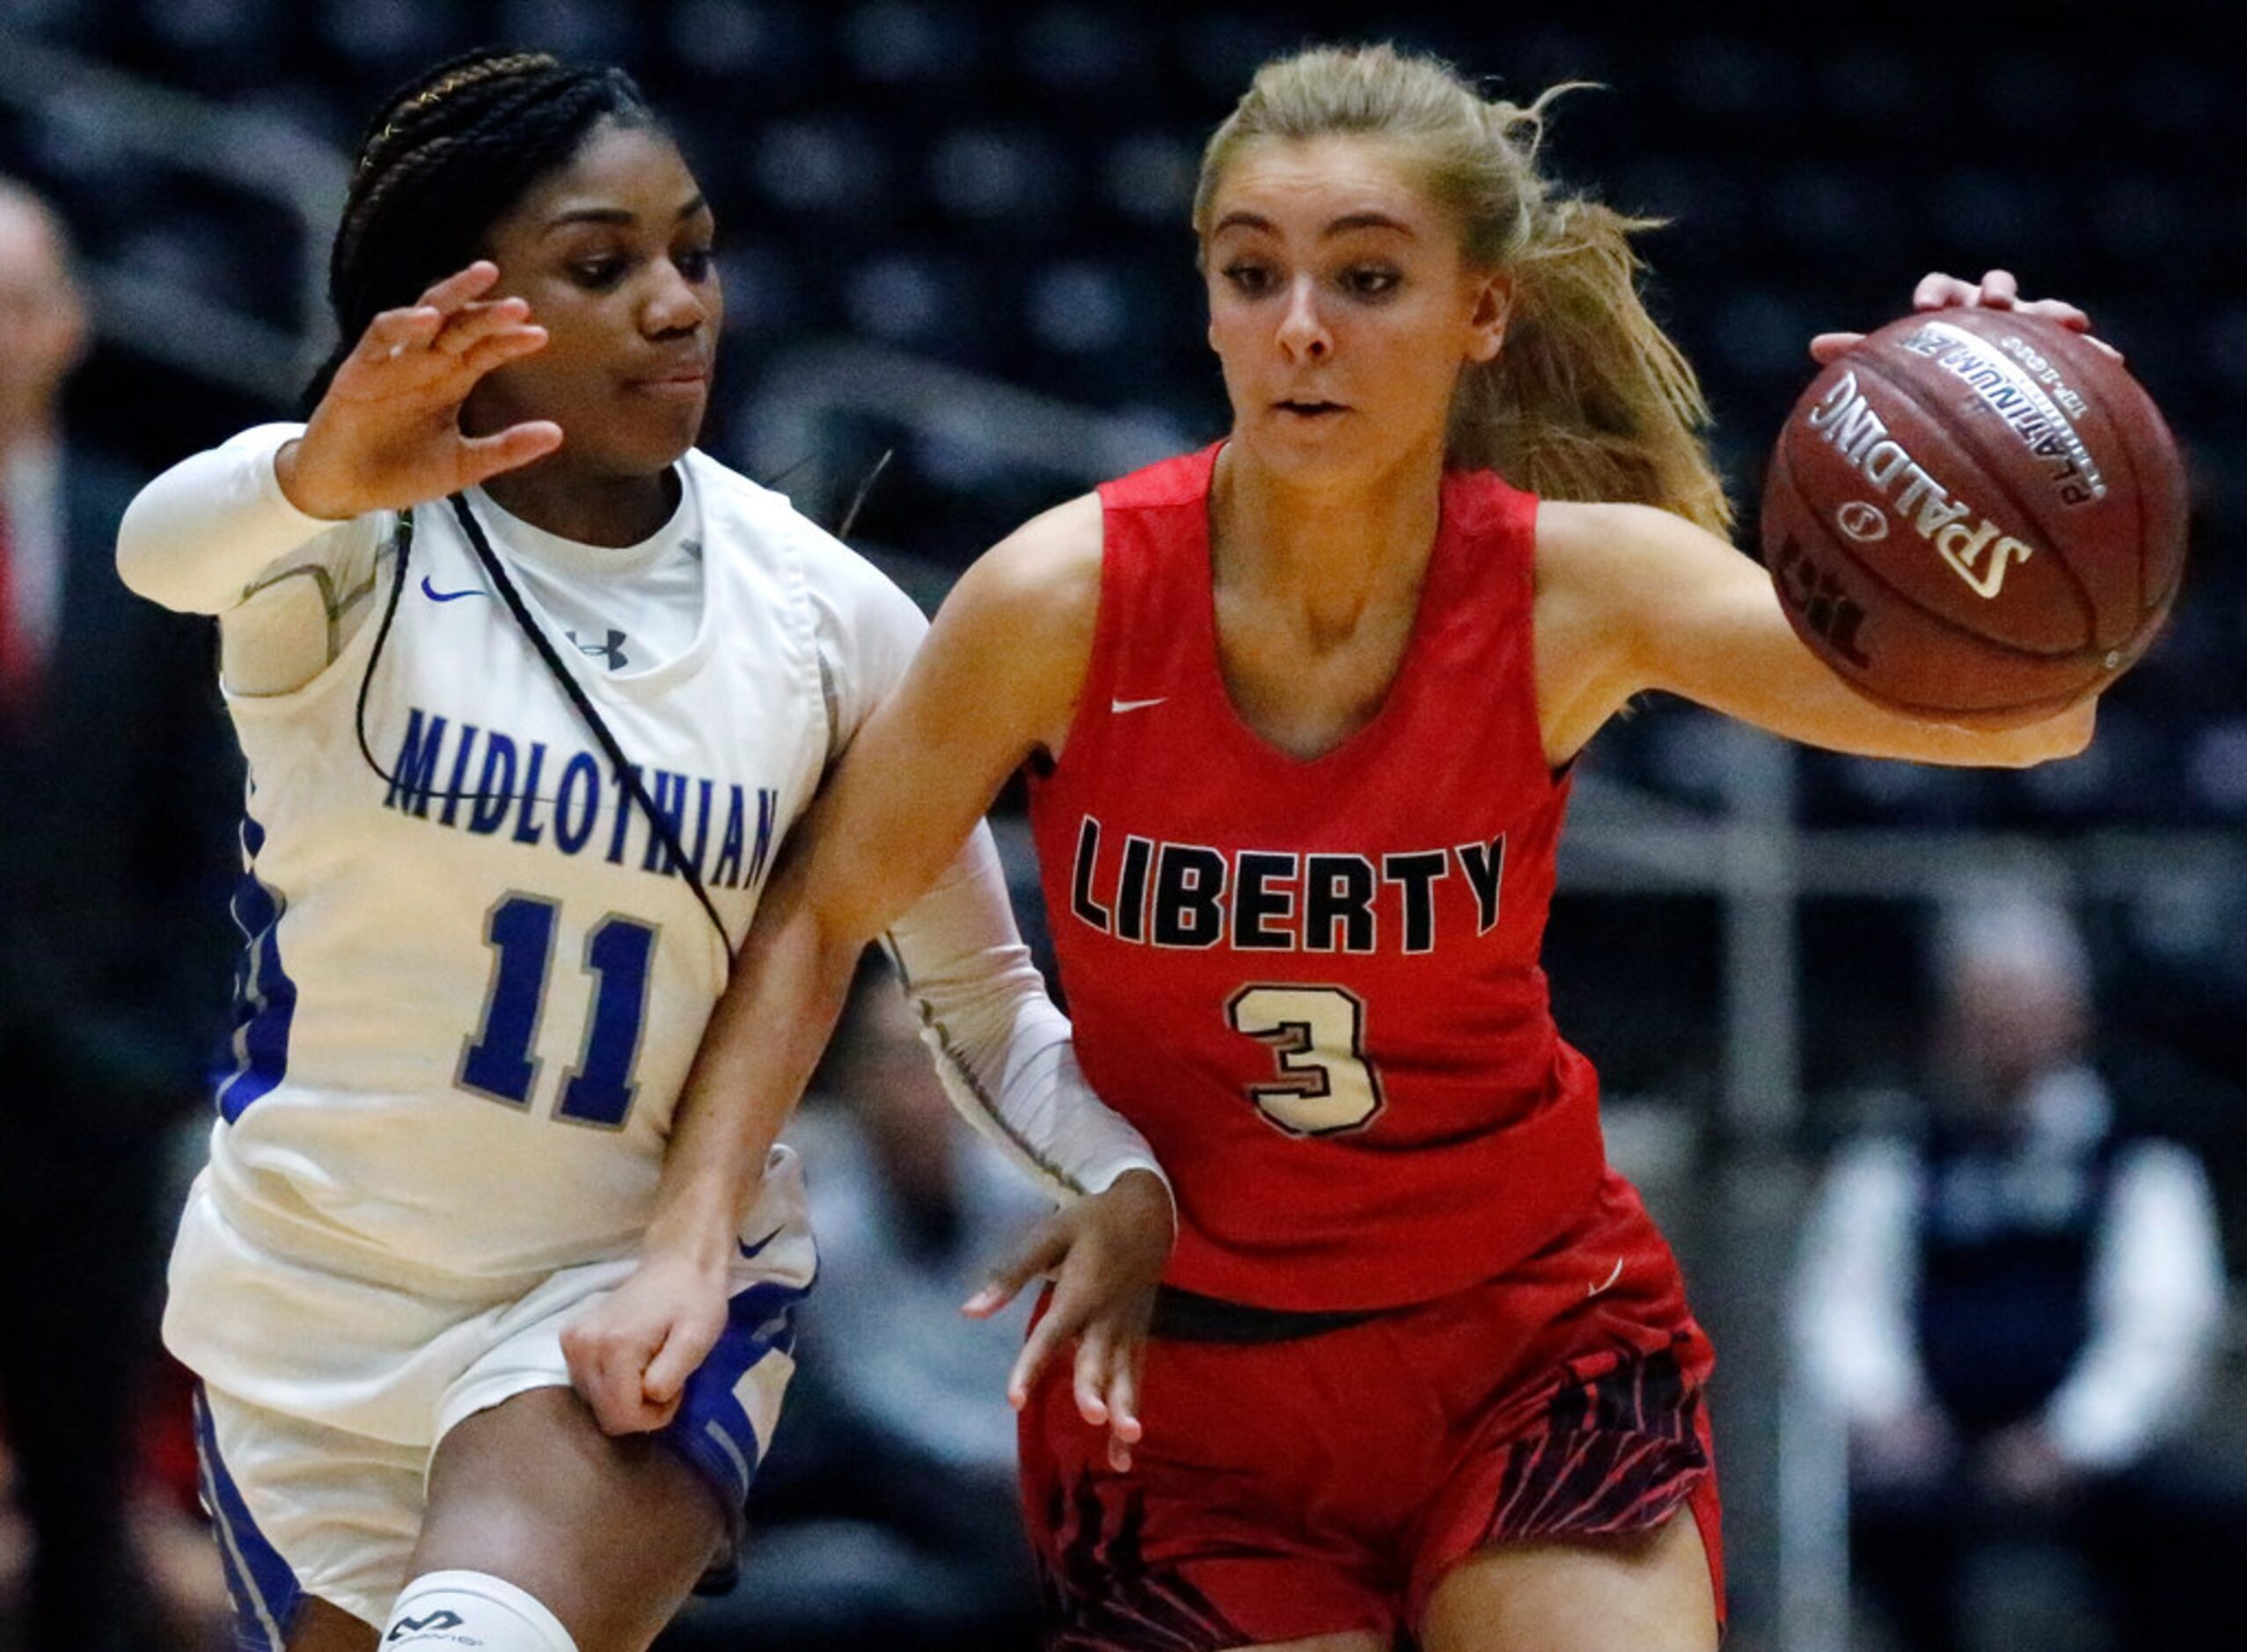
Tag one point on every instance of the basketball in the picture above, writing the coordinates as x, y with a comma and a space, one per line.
1976, 514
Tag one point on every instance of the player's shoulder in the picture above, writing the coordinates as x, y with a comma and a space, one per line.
1604, 543
749, 518
736, 501
1590, 526
1055, 547
1047, 570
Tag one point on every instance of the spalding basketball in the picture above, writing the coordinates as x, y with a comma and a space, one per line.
1976, 512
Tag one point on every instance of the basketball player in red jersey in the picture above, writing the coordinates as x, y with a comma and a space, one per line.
1300, 710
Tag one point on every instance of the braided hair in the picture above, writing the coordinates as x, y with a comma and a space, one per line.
446, 156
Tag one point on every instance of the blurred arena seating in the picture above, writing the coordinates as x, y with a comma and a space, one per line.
957, 229
1004, 188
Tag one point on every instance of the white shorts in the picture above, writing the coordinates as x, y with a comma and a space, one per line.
315, 1482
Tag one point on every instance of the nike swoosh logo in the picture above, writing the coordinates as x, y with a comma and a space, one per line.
748, 1249
1136, 706
437, 595
1593, 1291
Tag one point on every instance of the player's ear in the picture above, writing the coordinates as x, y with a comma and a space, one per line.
1486, 323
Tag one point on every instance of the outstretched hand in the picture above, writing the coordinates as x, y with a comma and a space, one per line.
631, 1352
1106, 1254
1996, 290
387, 433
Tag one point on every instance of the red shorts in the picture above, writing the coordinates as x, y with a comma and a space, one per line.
1327, 1482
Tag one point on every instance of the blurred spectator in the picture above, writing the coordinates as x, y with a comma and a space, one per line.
112, 967
2013, 1301
886, 1516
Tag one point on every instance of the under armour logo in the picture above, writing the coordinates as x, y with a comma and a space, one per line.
442, 1619
611, 653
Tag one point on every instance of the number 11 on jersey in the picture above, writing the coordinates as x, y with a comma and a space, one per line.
495, 1061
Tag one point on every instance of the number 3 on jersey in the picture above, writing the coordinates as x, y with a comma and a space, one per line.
497, 1061
1318, 1034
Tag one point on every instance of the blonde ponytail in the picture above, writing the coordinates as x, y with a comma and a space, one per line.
1589, 399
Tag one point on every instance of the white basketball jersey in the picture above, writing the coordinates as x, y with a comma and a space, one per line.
472, 989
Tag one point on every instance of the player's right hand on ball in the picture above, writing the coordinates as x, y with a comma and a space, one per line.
631, 1352
1997, 289
387, 433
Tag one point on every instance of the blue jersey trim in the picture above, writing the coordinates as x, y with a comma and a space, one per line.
712, 1430
262, 1584
256, 1055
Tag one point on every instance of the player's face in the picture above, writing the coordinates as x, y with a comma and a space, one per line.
1342, 305
613, 252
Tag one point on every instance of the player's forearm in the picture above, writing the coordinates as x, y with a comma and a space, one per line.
199, 535
1763, 675
1691, 615
757, 1053
1001, 1048
1847, 721
1801, 695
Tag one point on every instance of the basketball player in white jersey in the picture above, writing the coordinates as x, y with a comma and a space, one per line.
531, 693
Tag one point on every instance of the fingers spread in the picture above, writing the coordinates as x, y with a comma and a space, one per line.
987, 1301
511, 449
1939, 291
458, 288
1044, 1250
1829, 347
1123, 1396
2059, 311
396, 330
471, 324
486, 353
1037, 1348
1120, 1403
1091, 1376
1999, 290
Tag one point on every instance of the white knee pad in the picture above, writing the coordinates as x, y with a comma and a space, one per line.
445, 1611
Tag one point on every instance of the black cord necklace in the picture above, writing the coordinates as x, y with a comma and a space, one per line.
627, 773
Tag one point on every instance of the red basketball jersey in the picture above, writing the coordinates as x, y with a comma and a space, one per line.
1314, 984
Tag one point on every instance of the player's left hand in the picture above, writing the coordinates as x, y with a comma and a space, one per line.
1996, 290
1106, 1254
631, 1352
